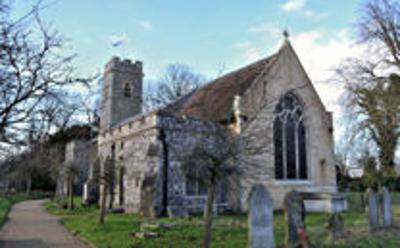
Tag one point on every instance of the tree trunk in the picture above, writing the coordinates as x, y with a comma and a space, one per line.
103, 196
70, 194
209, 213
28, 185
111, 198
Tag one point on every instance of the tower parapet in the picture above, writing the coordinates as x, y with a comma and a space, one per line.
125, 65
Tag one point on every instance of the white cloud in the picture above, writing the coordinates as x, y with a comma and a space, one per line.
320, 56
243, 44
313, 14
268, 31
299, 6
294, 5
309, 13
250, 51
145, 24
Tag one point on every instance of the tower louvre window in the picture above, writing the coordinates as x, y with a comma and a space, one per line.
289, 139
127, 90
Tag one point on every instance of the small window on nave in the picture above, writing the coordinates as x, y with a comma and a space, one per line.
195, 187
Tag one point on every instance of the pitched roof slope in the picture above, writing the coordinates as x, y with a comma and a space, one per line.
214, 100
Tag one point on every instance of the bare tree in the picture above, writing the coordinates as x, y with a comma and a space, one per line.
177, 81
34, 76
210, 166
380, 26
373, 82
71, 172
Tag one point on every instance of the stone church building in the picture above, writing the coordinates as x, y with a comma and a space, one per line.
271, 105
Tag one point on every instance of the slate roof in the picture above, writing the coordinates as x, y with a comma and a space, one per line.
214, 100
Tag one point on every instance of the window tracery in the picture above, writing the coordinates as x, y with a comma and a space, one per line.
290, 139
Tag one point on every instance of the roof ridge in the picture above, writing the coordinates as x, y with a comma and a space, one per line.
234, 72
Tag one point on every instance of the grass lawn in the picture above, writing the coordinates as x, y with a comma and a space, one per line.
7, 200
228, 231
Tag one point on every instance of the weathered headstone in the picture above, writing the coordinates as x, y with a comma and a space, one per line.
90, 192
386, 207
147, 193
261, 218
372, 209
336, 226
295, 230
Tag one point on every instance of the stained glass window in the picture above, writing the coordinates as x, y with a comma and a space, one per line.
289, 140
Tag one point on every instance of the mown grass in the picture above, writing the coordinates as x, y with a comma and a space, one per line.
228, 231
9, 199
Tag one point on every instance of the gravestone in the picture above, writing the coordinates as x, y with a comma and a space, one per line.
90, 192
147, 193
336, 226
261, 218
372, 209
295, 230
386, 207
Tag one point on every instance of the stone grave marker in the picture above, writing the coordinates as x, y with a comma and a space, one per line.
386, 207
295, 230
261, 218
372, 209
336, 226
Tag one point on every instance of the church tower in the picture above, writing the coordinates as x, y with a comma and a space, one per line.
122, 92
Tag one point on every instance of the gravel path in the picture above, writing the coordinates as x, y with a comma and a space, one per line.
30, 226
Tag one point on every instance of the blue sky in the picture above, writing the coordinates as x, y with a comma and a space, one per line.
210, 36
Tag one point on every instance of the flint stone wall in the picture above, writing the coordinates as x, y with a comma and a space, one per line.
181, 136
139, 149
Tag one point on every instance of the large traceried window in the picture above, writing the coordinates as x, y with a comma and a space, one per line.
290, 140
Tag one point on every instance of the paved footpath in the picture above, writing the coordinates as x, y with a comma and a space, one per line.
30, 226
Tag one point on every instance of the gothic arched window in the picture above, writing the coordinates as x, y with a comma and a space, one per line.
290, 139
